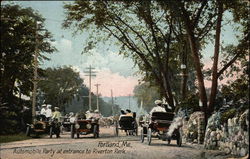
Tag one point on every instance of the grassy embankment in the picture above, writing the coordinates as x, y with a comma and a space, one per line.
14, 137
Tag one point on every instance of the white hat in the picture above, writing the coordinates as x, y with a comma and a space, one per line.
48, 106
158, 102
44, 105
88, 111
56, 108
96, 111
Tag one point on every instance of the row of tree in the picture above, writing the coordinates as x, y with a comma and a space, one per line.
165, 38
22, 35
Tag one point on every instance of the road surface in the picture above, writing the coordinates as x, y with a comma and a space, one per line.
105, 147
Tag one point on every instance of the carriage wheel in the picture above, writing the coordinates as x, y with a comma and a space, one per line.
136, 131
72, 131
51, 132
142, 136
28, 131
169, 141
149, 136
95, 131
179, 139
116, 129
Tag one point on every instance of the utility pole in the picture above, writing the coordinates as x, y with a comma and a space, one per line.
129, 101
91, 74
97, 96
35, 80
112, 101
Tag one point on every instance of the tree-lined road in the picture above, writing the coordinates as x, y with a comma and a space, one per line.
107, 146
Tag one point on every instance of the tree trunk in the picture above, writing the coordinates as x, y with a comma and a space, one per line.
216, 58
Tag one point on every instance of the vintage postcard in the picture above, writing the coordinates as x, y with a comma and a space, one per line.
160, 79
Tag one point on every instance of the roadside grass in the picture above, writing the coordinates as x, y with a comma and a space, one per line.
14, 137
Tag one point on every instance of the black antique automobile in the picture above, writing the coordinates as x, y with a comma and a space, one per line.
158, 127
66, 124
84, 127
38, 127
128, 124
54, 128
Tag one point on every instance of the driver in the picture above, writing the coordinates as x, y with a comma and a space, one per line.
158, 108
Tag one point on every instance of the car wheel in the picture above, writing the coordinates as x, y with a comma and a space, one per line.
72, 131
51, 132
142, 136
95, 131
116, 129
28, 131
169, 141
179, 139
149, 136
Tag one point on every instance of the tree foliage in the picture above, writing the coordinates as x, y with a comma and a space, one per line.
18, 43
143, 31
146, 95
60, 87
20, 35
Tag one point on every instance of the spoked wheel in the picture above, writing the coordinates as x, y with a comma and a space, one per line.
51, 132
116, 129
179, 139
169, 141
28, 131
72, 131
95, 131
149, 136
142, 136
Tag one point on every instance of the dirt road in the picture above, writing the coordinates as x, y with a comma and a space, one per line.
105, 147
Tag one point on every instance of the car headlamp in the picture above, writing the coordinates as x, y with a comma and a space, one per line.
44, 126
88, 126
32, 126
77, 126
161, 132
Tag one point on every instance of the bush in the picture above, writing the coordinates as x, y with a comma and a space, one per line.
228, 114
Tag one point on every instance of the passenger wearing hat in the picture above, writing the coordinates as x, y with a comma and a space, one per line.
48, 112
57, 115
158, 108
96, 114
129, 113
43, 112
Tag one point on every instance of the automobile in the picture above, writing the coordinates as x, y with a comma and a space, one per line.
158, 127
84, 127
38, 127
66, 124
128, 124
54, 128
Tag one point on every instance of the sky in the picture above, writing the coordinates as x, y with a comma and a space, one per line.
113, 71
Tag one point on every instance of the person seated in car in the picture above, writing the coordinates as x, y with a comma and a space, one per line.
72, 117
96, 114
129, 113
43, 112
158, 108
81, 115
122, 114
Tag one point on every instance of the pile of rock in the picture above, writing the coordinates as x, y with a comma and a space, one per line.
193, 129
231, 137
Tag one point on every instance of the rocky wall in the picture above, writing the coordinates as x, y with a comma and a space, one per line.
231, 137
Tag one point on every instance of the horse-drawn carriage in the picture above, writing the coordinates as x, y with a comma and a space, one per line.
159, 127
128, 124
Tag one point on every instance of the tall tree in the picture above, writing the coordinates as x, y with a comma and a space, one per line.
61, 86
18, 35
143, 31
201, 19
